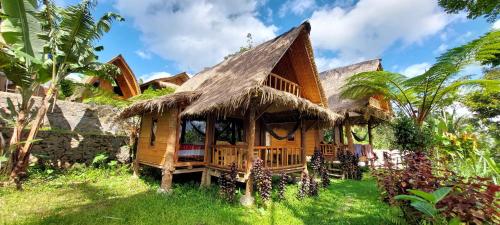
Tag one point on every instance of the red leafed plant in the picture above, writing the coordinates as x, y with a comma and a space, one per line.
474, 200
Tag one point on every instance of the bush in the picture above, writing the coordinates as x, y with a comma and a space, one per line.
262, 179
304, 186
313, 187
349, 164
410, 137
227, 184
282, 185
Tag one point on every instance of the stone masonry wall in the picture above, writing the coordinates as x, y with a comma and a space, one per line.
64, 149
72, 116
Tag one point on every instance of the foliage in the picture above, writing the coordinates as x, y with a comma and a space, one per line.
262, 178
418, 96
408, 136
349, 164
282, 185
470, 199
151, 93
383, 136
426, 202
313, 187
104, 97
486, 104
67, 87
317, 161
477, 8
227, 184
303, 186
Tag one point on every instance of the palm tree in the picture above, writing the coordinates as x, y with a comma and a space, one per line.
416, 97
52, 42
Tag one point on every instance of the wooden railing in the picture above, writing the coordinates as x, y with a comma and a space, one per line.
277, 82
330, 150
225, 155
276, 158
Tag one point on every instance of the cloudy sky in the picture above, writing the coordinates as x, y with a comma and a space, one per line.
163, 37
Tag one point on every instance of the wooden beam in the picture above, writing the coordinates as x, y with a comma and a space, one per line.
350, 141
370, 135
247, 199
303, 144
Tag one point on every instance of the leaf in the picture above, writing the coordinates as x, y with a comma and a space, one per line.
455, 221
425, 208
427, 196
412, 198
440, 193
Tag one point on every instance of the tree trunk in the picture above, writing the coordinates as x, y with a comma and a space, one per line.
21, 158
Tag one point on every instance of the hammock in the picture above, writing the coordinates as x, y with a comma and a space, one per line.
357, 138
289, 135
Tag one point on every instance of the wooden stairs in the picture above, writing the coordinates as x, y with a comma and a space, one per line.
334, 170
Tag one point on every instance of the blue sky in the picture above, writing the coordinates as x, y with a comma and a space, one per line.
164, 37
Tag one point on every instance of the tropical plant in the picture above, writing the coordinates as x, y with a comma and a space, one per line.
313, 187
349, 164
47, 42
227, 184
487, 8
303, 186
418, 96
282, 185
262, 178
408, 136
426, 203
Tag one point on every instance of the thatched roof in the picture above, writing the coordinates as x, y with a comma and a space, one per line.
237, 82
333, 80
172, 81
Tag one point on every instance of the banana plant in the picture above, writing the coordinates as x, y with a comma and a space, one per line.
426, 202
47, 43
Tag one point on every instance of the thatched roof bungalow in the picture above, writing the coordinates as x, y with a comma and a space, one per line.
265, 103
165, 82
369, 111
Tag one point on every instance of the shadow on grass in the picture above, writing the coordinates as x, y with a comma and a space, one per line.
345, 202
185, 205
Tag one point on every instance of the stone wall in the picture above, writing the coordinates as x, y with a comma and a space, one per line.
72, 116
63, 149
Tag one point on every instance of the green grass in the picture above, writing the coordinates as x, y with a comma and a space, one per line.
106, 197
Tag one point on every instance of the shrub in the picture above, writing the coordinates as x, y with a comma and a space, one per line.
325, 179
262, 179
282, 185
313, 187
349, 164
317, 161
304, 186
227, 184
410, 137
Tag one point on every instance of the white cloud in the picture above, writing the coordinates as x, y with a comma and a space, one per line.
370, 27
143, 54
496, 24
154, 75
195, 34
297, 7
441, 48
415, 69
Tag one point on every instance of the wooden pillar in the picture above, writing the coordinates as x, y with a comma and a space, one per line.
247, 199
303, 144
169, 164
337, 136
370, 135
350, 141
209, 141
135, 167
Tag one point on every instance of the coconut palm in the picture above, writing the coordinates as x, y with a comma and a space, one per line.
416, 97
52, 42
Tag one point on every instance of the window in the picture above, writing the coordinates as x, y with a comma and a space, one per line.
192, 142
230, 130
154, 127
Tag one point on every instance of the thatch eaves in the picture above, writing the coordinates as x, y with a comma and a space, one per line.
333, 80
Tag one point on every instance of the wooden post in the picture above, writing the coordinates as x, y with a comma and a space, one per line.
350, 141
168, 166
303, 145
370, 135
247, 199
135, 167
337, 138
209, 141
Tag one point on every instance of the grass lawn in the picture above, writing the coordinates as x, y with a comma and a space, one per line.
106, 197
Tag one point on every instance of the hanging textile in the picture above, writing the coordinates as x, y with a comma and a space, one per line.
289, 135
357, 138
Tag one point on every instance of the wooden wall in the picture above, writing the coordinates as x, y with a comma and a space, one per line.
166, 137
311, 140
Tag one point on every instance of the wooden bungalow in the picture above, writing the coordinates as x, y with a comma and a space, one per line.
164, 82
364, 112
264, 103
124, 85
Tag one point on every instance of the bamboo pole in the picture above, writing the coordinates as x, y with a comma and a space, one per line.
247, 199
